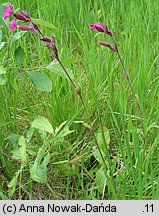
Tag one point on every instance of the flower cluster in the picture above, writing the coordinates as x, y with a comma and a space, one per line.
102, 28
25, 18
22, 16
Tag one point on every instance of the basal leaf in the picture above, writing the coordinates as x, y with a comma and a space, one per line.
12, 183
46, 160
42, 123
41, 81
97, 155
20, 154
103, 141
101, 180
13, 140
38, 174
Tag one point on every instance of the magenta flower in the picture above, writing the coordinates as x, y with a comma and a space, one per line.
8, 12
46, 39
24, 16
108, 45
13, 26
51, 44
28, 28
101, 28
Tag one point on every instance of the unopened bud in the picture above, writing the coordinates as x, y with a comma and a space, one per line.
108, 45
78, 90
45, 39
24, 16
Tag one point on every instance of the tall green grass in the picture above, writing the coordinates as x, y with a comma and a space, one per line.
133, 150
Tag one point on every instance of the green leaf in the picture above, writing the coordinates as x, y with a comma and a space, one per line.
3, 79
29, 134
20, 154
66, 131
3, 196
16, 36
0, 36
13, 140
38, 174
101, 140
58, 129
42, 123
2, 45
1, 11
2, 70
101, 180
97, 155
41, 81
56, 68
67, 169
44, 23
12, 183
19, 55
46, 160
84, 124
32, 150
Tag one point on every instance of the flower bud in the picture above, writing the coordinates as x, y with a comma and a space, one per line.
45, 39
108, 45
78, 90
23, 16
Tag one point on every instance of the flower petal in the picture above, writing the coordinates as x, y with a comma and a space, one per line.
108, 45
8, 12
13, 25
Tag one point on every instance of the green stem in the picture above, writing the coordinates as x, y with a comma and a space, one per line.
74, 85
86, 111
126, 74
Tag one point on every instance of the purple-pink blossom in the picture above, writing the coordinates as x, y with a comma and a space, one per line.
8, 12
51, 44
13, 25
23, 16
28, 28
101, 28
108, 45
46, 39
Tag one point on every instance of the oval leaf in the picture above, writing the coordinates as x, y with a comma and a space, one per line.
103, 141
16, 36
42, 123
57, 69
101, 180
19, 55
41, 81
20, 154
38, 174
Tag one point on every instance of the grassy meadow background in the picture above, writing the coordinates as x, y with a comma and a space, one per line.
74, 169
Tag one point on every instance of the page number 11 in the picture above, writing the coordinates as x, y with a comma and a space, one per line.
149, 208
